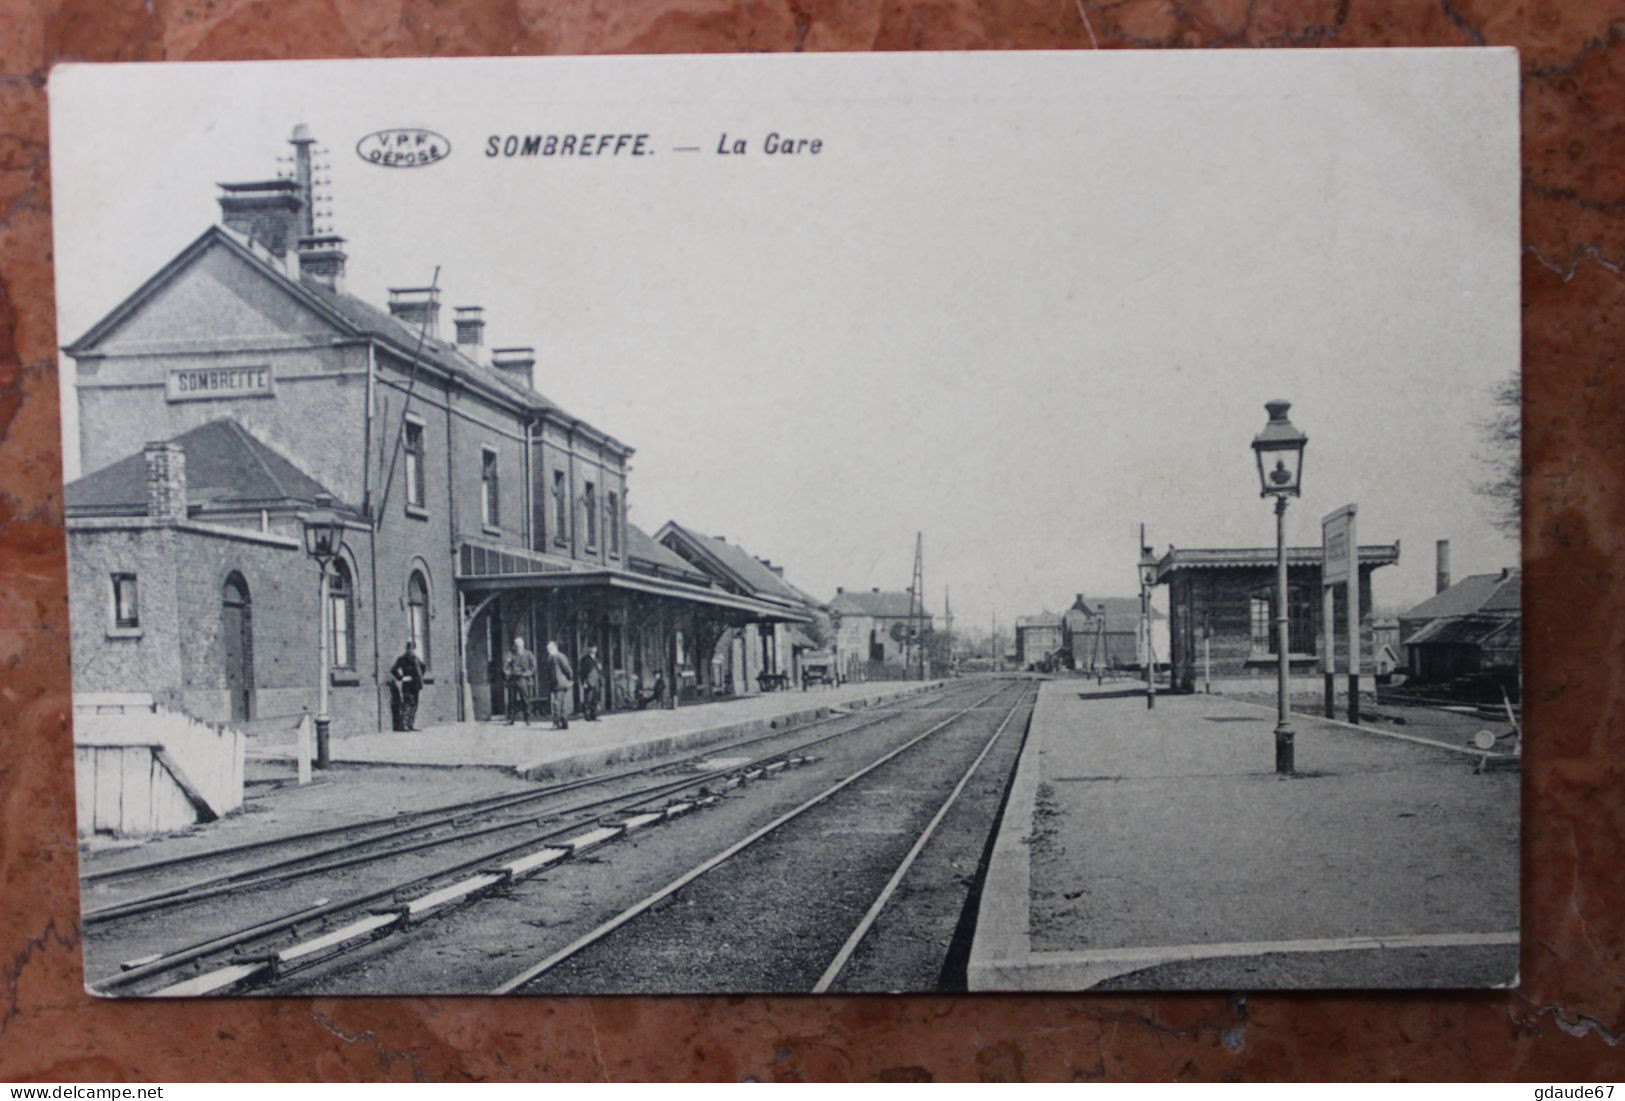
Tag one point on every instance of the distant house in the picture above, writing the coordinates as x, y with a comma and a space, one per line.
1472, 628
1038, 638
873, 627
1105, 633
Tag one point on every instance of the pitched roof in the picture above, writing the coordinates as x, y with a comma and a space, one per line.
1464, 630
354, 315
892, 605
1211, 558
730, 563
227, 467
1122, 613
1479, 592
644, 554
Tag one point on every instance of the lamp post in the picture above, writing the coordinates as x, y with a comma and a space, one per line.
1148, 578
324, 532
1279, 450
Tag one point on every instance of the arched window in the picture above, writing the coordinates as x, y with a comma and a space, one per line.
341, 615
417, 614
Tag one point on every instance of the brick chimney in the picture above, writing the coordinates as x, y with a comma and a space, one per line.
518, 364
321, 260
1441, 579
417, 306
470, 322
266, 211
166, 480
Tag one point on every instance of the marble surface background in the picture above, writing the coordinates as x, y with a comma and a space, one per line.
1567, 1020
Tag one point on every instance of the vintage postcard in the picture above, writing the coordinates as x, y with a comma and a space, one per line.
936, 522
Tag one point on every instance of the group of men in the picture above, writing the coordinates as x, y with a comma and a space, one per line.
519, 677
519, 673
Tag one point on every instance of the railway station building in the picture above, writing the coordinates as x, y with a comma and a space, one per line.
1221, 611
241, 385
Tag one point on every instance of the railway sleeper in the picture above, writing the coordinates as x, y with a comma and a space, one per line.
266, 967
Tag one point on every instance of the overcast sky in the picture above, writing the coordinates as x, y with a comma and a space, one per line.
1020, 303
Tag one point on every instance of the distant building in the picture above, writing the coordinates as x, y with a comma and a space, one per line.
872, 628
1471, 628
1106, 633
1038, 638
737, 657
1228, 596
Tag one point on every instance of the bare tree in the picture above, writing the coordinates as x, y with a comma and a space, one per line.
1501, 450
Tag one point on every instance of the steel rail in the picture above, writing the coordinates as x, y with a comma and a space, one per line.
264, 929
638, 908
301, 866
451, 812
838, 964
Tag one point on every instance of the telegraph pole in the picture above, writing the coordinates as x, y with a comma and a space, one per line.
916, 605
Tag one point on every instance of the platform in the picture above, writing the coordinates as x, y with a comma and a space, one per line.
1157, 849
538, 751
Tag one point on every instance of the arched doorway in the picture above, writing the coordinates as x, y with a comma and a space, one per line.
237, 635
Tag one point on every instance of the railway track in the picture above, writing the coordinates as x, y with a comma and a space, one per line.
541, 835
620, 940
287, 858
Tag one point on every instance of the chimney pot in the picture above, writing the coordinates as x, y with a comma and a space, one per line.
266, 211
321, 260
470, 322
518, 364
166, 480
417, 306
839, 590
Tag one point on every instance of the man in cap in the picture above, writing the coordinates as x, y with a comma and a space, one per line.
560, 679
406, 681
519, 672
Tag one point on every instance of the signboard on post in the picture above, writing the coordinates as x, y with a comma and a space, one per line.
1340, 565
1337, 543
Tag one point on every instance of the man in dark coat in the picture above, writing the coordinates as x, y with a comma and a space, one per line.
406, 681
519, 673
592, 683
560, 679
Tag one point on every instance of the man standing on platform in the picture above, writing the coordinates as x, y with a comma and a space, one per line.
406, 681
592, 683
560, 679
519, 671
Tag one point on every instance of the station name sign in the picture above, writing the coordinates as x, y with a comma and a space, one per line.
202, 383
1339, 548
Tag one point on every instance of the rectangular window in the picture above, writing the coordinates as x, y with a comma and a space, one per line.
126, 606
589, 503
490, 509
339, 609
612, 522
561, 508
1300, 628
414, 464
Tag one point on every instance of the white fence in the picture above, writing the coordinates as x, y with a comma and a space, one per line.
140, 769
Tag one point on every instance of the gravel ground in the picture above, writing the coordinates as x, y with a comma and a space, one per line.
477, 948
368, 792
1473, 967
921, 940
1451, 727
1170, 827
772, 918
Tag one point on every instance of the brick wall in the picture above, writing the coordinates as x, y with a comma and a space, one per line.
220, 313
